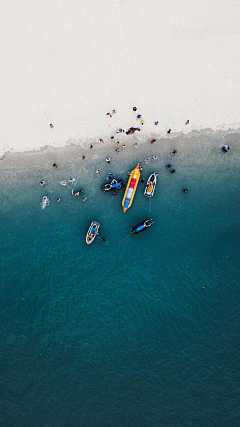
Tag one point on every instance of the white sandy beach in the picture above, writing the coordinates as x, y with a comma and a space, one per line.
69, 63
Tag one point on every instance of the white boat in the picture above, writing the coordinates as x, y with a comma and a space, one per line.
92, 232
151, 184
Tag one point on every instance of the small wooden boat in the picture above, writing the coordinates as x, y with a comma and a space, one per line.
113, 185
131, 188
151, 184
139, 228
92, 232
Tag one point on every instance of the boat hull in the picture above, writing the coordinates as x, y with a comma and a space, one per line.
151, 184
113, 185
142, 226
92, 232
131, 188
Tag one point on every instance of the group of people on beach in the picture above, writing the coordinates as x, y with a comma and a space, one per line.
130, 131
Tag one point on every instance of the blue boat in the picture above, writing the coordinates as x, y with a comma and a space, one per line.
113, 185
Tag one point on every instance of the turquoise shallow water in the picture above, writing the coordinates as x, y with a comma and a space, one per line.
144, 332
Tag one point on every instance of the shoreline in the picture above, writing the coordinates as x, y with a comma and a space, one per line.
22, 158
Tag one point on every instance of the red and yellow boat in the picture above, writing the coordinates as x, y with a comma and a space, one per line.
131, 188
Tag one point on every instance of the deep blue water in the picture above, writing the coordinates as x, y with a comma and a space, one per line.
136, 331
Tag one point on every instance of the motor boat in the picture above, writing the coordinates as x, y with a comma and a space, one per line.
113, 185
151, 184
137, 229
92, 232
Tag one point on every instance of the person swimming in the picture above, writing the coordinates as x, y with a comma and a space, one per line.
110, 175
45, 202
58, 200
154, 157
185, 190
142, 180
225, 148
108, 160
174, 152
168, 166
42, 183
77, 193
72, 180
173, 171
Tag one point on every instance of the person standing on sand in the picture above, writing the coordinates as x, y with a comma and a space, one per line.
55, 166
187, 122
51, 125
124, 146
153, 141
83, 157
135, 145
169, 130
